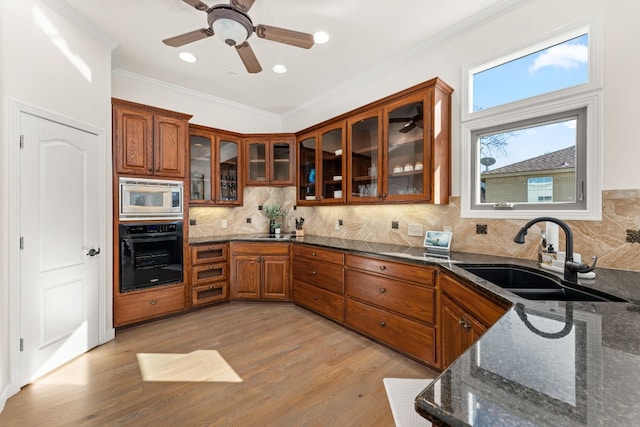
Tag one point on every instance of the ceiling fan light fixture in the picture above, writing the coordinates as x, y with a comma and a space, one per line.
279, 68
187, 57
232, 26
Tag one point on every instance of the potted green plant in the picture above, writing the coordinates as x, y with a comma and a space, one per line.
276, 214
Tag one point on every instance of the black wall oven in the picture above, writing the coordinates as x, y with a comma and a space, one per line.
150, 255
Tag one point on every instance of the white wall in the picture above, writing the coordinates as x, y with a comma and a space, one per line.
48, 63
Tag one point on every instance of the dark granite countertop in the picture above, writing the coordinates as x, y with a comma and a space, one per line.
544, 363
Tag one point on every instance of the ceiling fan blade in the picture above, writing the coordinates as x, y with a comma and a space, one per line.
189, 37
248, 58
197, 4
281, 35
409, 126
243, 5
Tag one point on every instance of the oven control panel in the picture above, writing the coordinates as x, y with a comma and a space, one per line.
151, 228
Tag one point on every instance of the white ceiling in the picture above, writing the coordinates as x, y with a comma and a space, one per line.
365, 35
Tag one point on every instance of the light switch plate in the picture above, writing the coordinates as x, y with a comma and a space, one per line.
415, 230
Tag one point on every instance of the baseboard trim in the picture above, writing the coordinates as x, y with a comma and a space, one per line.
8, 391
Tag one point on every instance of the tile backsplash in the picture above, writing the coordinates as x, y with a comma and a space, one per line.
606, 238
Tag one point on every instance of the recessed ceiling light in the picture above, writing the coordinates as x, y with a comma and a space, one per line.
279, 68
188, 57
320, 37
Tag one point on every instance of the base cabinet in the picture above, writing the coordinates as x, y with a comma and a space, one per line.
464, 316
318, 281
209, 274
394, 303
144, 305
260, 271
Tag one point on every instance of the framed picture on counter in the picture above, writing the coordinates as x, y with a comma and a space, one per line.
438, 241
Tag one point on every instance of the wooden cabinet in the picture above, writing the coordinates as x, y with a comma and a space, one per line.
398, 150
322, 165
215, 175
151, 303
149, 141
209, 274
260, 271
318, 280
464, 316
394, 303
270, 160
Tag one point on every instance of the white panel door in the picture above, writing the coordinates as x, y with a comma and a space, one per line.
59, 226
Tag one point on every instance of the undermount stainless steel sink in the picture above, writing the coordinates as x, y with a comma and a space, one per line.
534, 285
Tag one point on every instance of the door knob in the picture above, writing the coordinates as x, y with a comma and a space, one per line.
93, 252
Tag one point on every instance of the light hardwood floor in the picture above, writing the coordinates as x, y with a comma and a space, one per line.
296, 369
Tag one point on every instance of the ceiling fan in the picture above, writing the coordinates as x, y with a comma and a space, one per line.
410, 122
234, 26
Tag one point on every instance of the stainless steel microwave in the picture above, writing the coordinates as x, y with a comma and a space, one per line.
150, 199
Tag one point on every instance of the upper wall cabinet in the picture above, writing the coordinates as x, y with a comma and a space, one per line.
398, 151
322, 165
148, 140
216, 157
270, 160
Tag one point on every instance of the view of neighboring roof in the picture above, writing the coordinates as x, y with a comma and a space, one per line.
561, 159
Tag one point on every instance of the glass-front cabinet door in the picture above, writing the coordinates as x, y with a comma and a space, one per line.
270, 160
214, 162
364, 157
307, 175
407, 149
332, 163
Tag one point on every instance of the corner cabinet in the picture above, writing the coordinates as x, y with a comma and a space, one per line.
149, 141
269, 160
322, 165
215, 159
260, 271
464, 316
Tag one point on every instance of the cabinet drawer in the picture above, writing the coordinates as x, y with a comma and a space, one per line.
413, 273
204, 254
217, 291
410, 300
260, 248
403, 334
318, 253
319, 300
203, 274
131, 308
323, 275
486, 311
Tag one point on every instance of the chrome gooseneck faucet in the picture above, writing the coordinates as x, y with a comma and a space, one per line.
571, 267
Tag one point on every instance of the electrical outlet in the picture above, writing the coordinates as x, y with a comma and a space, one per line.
259, 207
337, 226
340, 222
192, 222
414, 230
395, 225
481, 228
248, 220
224, 223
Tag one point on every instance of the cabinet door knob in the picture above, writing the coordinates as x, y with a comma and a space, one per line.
461, 321
210, 248
313, 253
210, 267
314, 272
153, 302
383, 267
383, 290
315, 298
383, 324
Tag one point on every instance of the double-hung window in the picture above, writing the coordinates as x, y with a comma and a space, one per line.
531, 130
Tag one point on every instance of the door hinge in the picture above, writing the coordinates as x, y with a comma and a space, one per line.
21, 344
21, 243
21, 141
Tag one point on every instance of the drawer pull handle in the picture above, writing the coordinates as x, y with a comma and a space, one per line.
313, 253
314, 272
315, 298
210, 267
210, 248
153, 302
383, 267
383, 324
383, 290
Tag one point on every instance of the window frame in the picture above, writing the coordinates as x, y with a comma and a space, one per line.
587, 96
